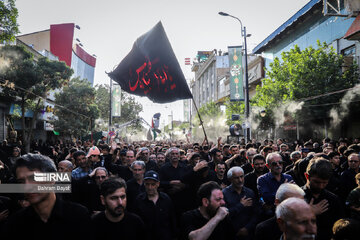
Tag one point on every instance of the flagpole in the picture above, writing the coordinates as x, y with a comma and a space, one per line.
201, 122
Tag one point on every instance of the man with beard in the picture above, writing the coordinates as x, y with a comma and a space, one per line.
326, 205
47, 213
115, 222
296, 220
160, 159
210, 220
258, 162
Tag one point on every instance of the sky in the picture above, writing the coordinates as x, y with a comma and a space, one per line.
110, 27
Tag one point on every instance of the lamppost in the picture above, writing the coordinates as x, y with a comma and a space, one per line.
247, 104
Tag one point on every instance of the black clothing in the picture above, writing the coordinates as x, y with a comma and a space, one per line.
131, 227
225, 180
268, 230
151, 165
159, 218
132, 192
26, 223
193, 220
347, 183
122, 171
250, 181
168, 173
194, 180
86, 192
242, 216
326, 220
247, 168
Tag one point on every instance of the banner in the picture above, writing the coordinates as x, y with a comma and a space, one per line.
152, 70
116, 101
236, 73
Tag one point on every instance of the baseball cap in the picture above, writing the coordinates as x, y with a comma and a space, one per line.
152, 175
93, 151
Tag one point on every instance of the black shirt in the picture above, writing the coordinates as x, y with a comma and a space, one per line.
132, 191
268, 230
122, 171
193, 220
130, 227
65, 216
168, 173
250, 181
326, 220
347, 183
151, 165
159, 218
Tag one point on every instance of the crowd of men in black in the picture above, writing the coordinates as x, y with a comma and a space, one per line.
182, 190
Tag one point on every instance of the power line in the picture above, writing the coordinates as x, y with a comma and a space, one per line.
325, 104
48, 100
327, 94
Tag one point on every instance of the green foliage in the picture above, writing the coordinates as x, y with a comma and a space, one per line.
75, 108
305, 73
8, 22
102, 99
130, 109
30, 81
234, 107
208, 111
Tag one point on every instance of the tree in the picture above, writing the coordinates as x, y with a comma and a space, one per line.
130, 108
102, 99
75, 108
8, 22
302, 74
30, 82
234, 107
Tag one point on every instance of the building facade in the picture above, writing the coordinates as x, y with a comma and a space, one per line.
57, 44
304, 29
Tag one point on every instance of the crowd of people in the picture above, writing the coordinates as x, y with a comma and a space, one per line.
180, 190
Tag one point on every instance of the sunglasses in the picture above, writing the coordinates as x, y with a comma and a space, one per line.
100, 177
353, 161
277, 163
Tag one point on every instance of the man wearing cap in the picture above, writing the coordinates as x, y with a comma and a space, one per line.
156, 209
95, 158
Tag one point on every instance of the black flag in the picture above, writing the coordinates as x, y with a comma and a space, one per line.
151, 69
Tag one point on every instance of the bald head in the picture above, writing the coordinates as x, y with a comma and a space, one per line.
296, 219
65, 166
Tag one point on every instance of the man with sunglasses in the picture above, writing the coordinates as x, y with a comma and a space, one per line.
269, 183
144, 155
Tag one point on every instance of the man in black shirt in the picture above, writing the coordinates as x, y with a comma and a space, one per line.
171, 174
326, 205
210, 220
156, 209
115, 222
260, 168
135, 185
47, 213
